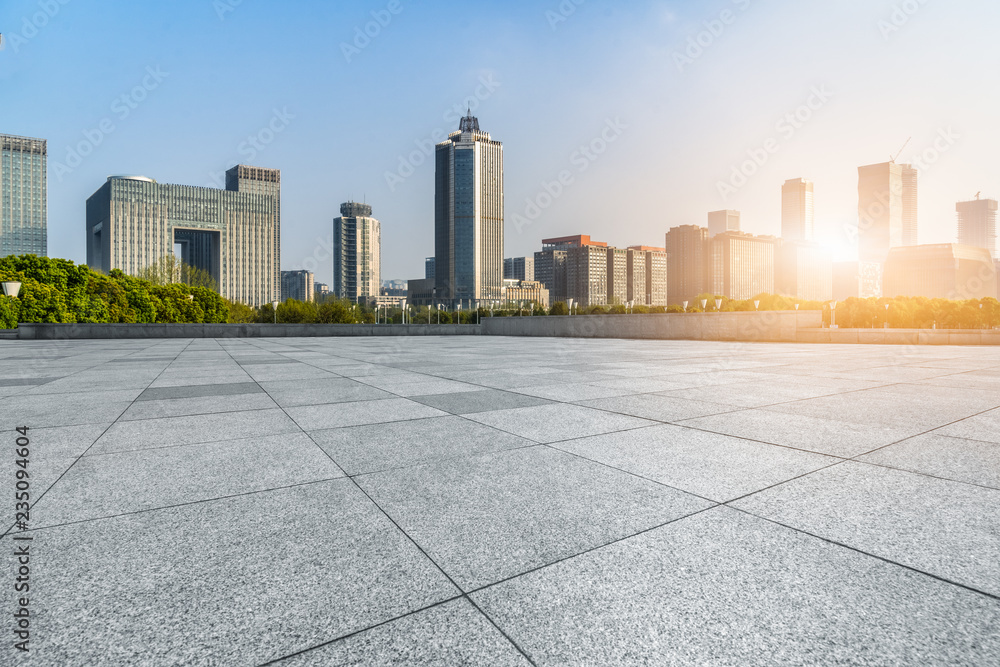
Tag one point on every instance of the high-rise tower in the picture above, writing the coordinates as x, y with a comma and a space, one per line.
798, 222
468, 216
887, 209
357, 254
23, 198
977, 223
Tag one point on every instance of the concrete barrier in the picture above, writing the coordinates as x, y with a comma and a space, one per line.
105, 331
770, 326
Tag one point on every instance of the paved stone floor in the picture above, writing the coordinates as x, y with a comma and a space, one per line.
493, 501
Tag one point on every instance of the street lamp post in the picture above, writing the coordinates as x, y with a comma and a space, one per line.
885, 325
718, 305
756, 305
685, 306
11, 288
569, 302
274, 305
704, 305
833, 314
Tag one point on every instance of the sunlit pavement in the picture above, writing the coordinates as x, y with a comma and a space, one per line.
496, 501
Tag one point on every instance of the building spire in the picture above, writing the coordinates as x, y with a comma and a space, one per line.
469, 123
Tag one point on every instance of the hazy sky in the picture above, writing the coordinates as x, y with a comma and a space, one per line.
175, 91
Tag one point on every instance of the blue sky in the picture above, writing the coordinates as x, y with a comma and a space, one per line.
176, 90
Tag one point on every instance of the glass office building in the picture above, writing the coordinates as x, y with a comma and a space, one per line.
468, 217
234, 234
23, 196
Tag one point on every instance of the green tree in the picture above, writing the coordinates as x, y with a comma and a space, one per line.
171, 269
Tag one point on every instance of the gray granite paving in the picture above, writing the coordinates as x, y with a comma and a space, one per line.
505, 501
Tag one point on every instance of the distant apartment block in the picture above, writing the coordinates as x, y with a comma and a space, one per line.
887, 209
298, 285
723, 221
940, 271
233, 234
23, 196
592, 273
804, 271
798, 216
647, 270
687, 249
977, 224
519, 268
742, 265
618, 276
587, 275
357, 252
468, 216
321, 291
861, 280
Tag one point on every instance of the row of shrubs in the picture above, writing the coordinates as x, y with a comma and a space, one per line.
57, 290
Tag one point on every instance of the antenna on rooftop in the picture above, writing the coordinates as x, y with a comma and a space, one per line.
892, 159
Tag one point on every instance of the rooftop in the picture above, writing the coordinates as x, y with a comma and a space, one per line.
494, 501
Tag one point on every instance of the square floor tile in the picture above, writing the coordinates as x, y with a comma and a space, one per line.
958, 459
709, 465
335, 415
468, 402
945, 528
193, 429
111, 484
454, 633
486, 518
553, 423
826, 436
290, 568
725, 588
362, 449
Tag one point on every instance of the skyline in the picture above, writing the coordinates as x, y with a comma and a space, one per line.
266, 80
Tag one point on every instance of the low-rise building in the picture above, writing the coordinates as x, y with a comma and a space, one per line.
940, 271
525, 291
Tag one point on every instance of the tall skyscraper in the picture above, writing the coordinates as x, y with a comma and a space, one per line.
723, 221
23, 196
887, 209
298, 285
977, 223
519, 268
798, 218
357, 253
429, 269
687, 259
233, 234
468, 216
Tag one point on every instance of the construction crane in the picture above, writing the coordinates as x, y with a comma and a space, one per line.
892, 159
977, 195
